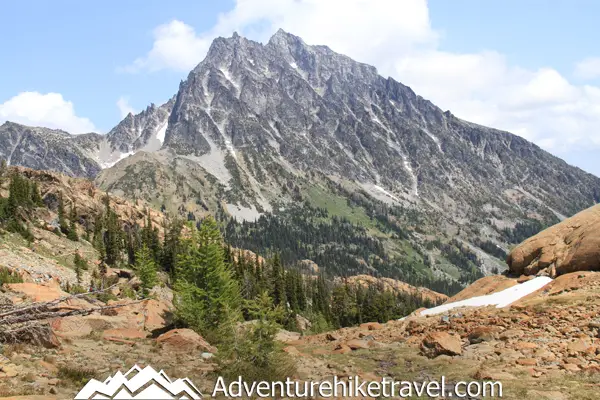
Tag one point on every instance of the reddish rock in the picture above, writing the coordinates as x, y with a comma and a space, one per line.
483, 334
511, 334
525, 346
357, 344
342, 349
569, 246
530, 362
332, 336
184, 340
578, 346
36, 292
371, 326
571, 368
438, 343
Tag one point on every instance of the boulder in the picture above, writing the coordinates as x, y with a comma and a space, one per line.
184, 340
302, 323
357, 344
284, 336
578, 346
371, 326
569, 246
147, 315
332, 336
529, 362
438, 343
36, 292
483, 334
342, 349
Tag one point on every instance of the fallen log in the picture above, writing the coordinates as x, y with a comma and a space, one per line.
31, 323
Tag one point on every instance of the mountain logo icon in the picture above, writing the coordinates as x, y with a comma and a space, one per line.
139, 383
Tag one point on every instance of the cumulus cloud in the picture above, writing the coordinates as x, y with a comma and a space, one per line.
588, 68
176, 47
49, 110
124, 106
398, 38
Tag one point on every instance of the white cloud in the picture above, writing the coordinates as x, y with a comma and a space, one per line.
49, 110
397, 37
176, 47
588, 68
124, 106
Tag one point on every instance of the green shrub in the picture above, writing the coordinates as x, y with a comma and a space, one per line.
8, 276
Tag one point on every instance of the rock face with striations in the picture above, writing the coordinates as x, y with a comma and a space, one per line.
84, 155
572, 245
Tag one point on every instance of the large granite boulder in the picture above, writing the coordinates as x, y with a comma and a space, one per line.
569, 246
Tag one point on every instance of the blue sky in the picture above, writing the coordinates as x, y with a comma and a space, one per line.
531, 67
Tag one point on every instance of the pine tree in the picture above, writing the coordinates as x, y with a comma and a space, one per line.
146, 269
98, 241
80, 266
3, 170
36, 197
278, 282
171, 245
62, 222
204, 283
72, 233
251, 351
113, 236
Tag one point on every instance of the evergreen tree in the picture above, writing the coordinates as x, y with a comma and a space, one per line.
80, 266
251, 351
278, 282
204, 285
98, 241
146, 269
171, 245
113, 236
36, 197
62, 222
72, 233
3, 170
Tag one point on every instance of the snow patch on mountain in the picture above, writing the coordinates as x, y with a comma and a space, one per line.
120, 156
434, 138
501, 299
249, 214
227, 76
214, 163
386, 192
160, 135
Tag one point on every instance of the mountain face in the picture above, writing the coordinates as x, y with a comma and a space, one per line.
43, 148
345, 168
84, 155
308, 108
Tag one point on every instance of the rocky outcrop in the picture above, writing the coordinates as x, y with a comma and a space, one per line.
82, 194
441, 343
484, 286
396, 286
184, 340
569, 246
